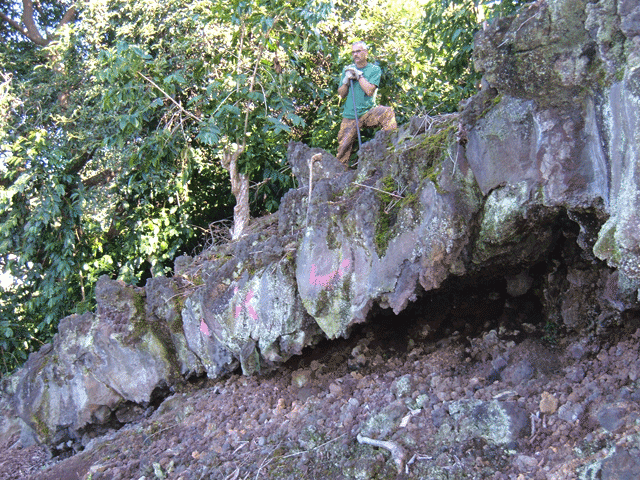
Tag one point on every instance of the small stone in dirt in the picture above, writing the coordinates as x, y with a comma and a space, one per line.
335, 389
526, 463
570, 412
499, 363
548, 404
518, 373
403, 386
382, 424
316, 365
576, 374
611, 418
576, 350
300, 378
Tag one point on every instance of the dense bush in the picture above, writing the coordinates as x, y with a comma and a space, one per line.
114, 129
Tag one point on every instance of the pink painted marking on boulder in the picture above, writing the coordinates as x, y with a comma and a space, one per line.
322, 280
250, 310
343, 267
326, 280
204, 329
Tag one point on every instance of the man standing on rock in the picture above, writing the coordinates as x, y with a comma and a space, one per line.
366, 78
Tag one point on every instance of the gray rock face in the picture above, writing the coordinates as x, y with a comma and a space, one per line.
578, 145
383, 236
622, 465
101, 368
547, 153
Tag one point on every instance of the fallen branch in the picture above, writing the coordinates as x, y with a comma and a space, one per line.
315, 448
398, 453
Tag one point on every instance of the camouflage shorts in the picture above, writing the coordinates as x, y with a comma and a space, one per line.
376, 117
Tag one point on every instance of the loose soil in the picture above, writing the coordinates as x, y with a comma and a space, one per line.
394, 384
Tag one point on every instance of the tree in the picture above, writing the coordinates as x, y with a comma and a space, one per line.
114, 142
38, 209
70, 209
35, 20
127, 127
242, 73
447, 31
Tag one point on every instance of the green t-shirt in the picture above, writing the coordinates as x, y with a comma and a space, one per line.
372, 74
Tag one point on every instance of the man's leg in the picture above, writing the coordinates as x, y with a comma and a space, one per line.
346, 136
380, 116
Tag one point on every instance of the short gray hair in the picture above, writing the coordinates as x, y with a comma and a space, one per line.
360, 42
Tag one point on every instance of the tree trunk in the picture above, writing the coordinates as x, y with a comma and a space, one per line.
27, 24
240, 190
241, 214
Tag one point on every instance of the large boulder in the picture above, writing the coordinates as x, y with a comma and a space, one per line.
397, 226
566, 79
255, 318
102, 369
535, 184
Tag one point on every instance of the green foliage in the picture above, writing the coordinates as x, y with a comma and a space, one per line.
448, 27
389, 194
16, 338
551, 332
113, 136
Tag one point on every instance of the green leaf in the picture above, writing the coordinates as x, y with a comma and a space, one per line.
140, 53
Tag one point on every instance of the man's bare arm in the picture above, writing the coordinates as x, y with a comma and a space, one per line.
343, 90
368, 88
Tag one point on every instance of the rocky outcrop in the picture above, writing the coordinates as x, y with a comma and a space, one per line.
102, 370
535, 185
573, 96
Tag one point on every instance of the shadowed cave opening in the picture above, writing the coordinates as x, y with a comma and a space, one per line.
465, 307
462, 308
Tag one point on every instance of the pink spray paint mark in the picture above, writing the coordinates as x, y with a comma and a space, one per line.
343, 267
250, 310
204, 328
326, 280
245, 306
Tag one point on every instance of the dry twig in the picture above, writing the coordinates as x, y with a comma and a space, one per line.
171, 99
315, 158
378, 190
398, 453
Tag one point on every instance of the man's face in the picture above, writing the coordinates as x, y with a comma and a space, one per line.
359, 55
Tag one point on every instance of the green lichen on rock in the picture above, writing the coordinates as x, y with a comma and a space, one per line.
330, 310
41, 428
434, 148
499, 423
420, 161
387, 213
140, 325
509, 227
606, 247
383, 423
423, 156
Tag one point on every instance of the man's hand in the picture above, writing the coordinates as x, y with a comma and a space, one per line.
355, 72
348, 75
